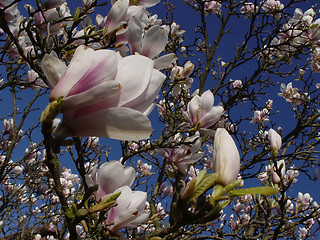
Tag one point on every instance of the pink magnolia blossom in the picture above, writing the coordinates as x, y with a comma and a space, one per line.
33, 77
260, 116
275, 170
52, 14
292, 95
105, 95
272, 6
110, 177
226, 157
248, 8
129, 211
315, 56
212, 7
184, 154
201, 112
166, 189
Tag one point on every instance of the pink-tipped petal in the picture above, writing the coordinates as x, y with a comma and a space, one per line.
92, 96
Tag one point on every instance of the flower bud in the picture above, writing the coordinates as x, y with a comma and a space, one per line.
274, 141
226, 157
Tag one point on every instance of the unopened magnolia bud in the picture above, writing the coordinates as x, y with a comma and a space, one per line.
275, 141
226, 155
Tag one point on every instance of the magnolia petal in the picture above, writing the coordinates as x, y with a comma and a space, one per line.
53, 68
134, 75
110, 177
134, 35
226, 157
87, 69
102, 68
212, 117
207, 101
129, 175
118, 123
124, 219
123, 202
192, 158
138, 200
92, 96
164, 61
145, 100
143, 217
154, 41
148, 3
149, 109
194, 108
117, 14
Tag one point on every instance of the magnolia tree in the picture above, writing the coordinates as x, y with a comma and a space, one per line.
198, 154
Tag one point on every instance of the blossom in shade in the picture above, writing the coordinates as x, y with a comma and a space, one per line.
184, 154
110, 176
129, 210
226, 157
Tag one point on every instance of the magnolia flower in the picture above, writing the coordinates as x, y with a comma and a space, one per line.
212, 7
105, 95
226, 157
149, 43
201, 112
110, 177
248, 8
184, 154
129, 211
275, 141
274, 170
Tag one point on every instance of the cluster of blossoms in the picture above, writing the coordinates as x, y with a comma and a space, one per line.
212, 7
277, 173
293, 95
183, 154
272, 7
301, 31
113, 177
9, 130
